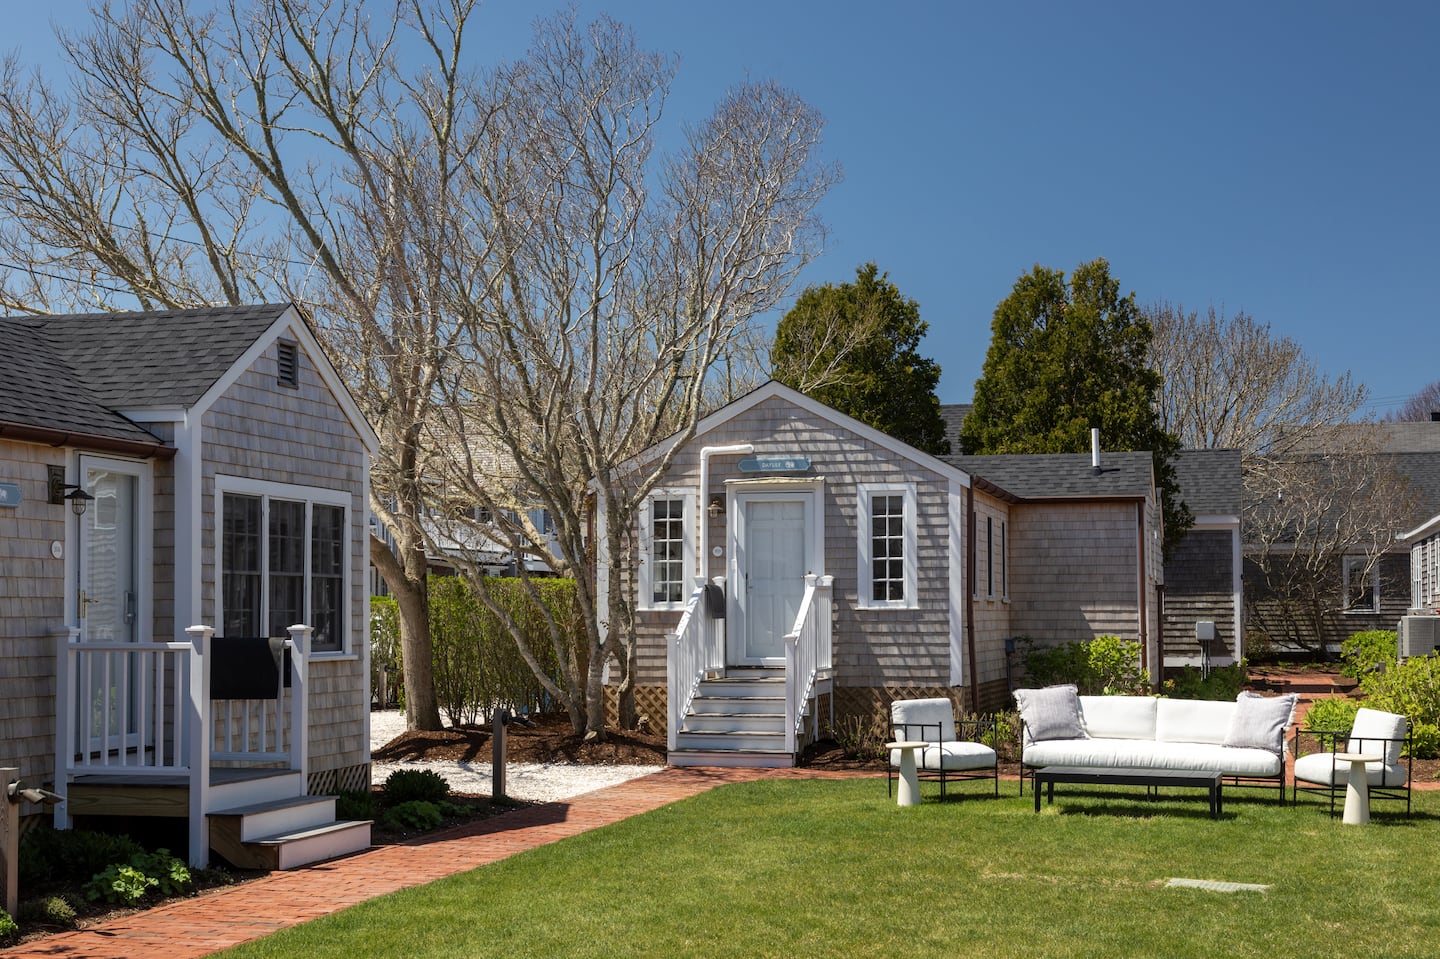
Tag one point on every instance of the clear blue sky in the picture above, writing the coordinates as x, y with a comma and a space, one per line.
1277, 158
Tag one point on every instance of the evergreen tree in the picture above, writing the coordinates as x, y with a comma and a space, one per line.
855, 347
1065, 357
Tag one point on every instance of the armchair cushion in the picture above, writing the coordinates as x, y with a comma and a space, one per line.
1259, 722
936, 715
1051, 713
1385, 732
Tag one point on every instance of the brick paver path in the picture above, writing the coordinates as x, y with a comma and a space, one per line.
197, 927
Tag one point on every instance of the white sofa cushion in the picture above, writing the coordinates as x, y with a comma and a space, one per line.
929, 713
1149, 754
1118, 717
1192, 721
1378, 726
1050, 713
1321, 768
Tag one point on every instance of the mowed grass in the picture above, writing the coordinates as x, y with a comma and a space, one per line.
833, 868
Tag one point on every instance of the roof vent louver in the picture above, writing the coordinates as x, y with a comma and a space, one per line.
288, 365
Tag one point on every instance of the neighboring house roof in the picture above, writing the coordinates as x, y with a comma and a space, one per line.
1210, 481
954, 415
172, 357
1051, 476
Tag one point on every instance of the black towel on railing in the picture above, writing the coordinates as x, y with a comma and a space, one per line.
243, 667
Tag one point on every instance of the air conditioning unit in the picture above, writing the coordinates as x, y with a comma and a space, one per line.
1418, 635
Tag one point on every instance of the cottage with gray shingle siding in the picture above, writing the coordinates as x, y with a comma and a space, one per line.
846, 569
229, 468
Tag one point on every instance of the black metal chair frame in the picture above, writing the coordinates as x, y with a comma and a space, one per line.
977, 727
1340, 773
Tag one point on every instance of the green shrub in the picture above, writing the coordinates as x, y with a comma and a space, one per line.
1333, 715
355, 805
73, 855
477, 665
1425, 740
1367, 652
387, 680
1413, 690
414, 816
1105, 665
859, 737
1223, 684
8, 926
406, 785
51, 910
146, 872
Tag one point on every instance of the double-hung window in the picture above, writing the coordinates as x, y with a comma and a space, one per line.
887, 546
667, 540
283, 556
1362, 586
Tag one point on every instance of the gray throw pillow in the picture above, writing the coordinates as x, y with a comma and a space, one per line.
1259, 722
1051, 713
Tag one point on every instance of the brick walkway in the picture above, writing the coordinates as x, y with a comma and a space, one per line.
197, 927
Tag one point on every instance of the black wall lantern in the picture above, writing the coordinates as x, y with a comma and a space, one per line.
78, 499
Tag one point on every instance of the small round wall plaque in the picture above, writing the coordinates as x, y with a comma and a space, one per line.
57, 548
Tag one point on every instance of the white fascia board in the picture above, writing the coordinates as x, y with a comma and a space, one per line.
1420, 532
1216, 521
770, 390
292, 323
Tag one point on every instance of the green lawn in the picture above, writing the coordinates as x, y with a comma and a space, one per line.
832, 868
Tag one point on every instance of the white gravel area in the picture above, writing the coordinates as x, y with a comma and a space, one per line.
533, 782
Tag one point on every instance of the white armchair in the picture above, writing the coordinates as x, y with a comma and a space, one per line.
1374, 732
947, 757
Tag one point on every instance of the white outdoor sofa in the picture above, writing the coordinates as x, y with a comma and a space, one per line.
1243, 740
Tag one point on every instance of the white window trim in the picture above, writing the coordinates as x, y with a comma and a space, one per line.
311, 496
1374, 574
646, 566
864, 497
1004, 562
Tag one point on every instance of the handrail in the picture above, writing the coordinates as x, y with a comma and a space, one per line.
808, 650
689, 656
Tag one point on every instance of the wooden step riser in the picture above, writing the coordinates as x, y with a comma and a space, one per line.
730, 741
723, 723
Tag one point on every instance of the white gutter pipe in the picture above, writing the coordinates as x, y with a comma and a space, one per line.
734, 449
1095, 449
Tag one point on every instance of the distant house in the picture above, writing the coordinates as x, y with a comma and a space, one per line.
797, 568
1203, 573
222, 467
1369, 596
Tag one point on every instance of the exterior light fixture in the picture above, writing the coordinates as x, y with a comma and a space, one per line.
79, 499
716, 508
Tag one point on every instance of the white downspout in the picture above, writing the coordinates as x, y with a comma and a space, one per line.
734, 449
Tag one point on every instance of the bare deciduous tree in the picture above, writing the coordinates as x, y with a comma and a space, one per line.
1423, 407
518, 294
1230, 383
1304, 513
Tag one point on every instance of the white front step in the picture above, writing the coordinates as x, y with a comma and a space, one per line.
316, 845
281, 816
253, 789
731, 739
748, 722
731, 758
705, 704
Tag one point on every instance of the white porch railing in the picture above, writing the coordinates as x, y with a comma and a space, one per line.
807, 655
693, 650
144, 710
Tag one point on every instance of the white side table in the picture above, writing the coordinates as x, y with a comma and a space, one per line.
1357, 787
908, 792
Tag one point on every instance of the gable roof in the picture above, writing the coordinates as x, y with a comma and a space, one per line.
772, 389
1210, 481
77, 376
170, 357
1052, 476
42, 399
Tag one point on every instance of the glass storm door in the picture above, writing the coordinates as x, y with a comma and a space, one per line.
771, 563
110, 599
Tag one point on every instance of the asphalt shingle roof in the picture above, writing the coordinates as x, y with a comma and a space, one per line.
1210, 481
72, 374
158, 358
1043, 476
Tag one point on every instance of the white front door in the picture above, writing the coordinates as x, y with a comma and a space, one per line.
773, 552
